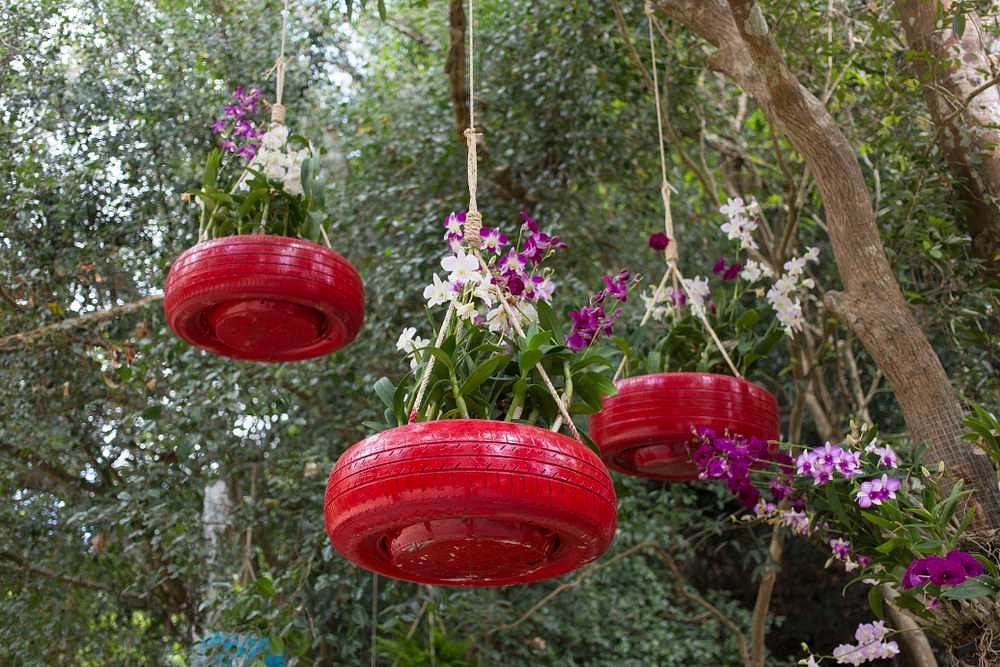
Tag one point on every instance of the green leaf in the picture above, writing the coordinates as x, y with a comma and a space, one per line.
747, 320
547, 318
152, 412
483, 373
876, 602
526, 360
592, 388
210, 177
264, 586
958, 24
889, 546
587, 440
381, 10
536, 341
970, 588
441, 356
591, 359
878, 521
654, 362
386, 390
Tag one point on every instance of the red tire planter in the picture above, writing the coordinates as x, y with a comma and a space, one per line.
470, 503
646, 428
264, 298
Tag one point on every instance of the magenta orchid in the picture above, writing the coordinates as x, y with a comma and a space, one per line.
955, 568
236, 128
659, 241
593, 319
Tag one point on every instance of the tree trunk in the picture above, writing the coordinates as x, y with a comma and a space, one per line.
957, 74
872, 305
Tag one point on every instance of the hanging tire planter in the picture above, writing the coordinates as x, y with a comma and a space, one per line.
646, 428
470, 503
264, 298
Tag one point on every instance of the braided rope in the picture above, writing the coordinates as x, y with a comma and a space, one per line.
278, 109
472, 240
670, 253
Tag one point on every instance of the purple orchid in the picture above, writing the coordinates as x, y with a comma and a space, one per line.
970, 564
733, 272
218, 126
513, 262
248, 151
945, 571
529, 223
493, 239
617, 286
659, 241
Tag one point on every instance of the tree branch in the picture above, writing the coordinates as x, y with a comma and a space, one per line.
758, 622
73, 322
573, 583
872, 305
682, 588
23, 565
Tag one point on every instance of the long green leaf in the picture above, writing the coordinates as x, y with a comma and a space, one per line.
483, 373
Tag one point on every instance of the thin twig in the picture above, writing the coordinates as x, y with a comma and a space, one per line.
573, 583
682, 588
74, 322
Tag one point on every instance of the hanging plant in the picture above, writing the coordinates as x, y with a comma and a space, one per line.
484, 492
708, 339
263, 282
481, 493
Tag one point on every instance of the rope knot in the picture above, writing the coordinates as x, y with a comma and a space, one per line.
278, 113
473, 225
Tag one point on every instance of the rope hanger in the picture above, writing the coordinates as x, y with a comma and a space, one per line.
671, 252
472, 240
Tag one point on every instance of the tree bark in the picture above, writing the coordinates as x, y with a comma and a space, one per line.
872, 305
958, 79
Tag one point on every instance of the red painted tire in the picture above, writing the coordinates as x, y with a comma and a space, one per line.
470, 503
264, 298
646, 428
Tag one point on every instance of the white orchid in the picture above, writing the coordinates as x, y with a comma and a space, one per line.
740, 224
485, 291
405, 341
754, 271
465, 311
275, 138
438, 292
697, 290
461, 268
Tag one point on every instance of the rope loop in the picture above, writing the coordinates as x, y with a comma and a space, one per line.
473, 225
277, 114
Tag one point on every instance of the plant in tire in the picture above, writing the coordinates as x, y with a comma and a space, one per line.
748, 315
472, 484
258, 181
683, 367
258, 285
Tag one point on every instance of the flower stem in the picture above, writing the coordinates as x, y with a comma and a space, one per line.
459, 401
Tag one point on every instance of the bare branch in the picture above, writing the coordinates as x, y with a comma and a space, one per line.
73, 322
23, 565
